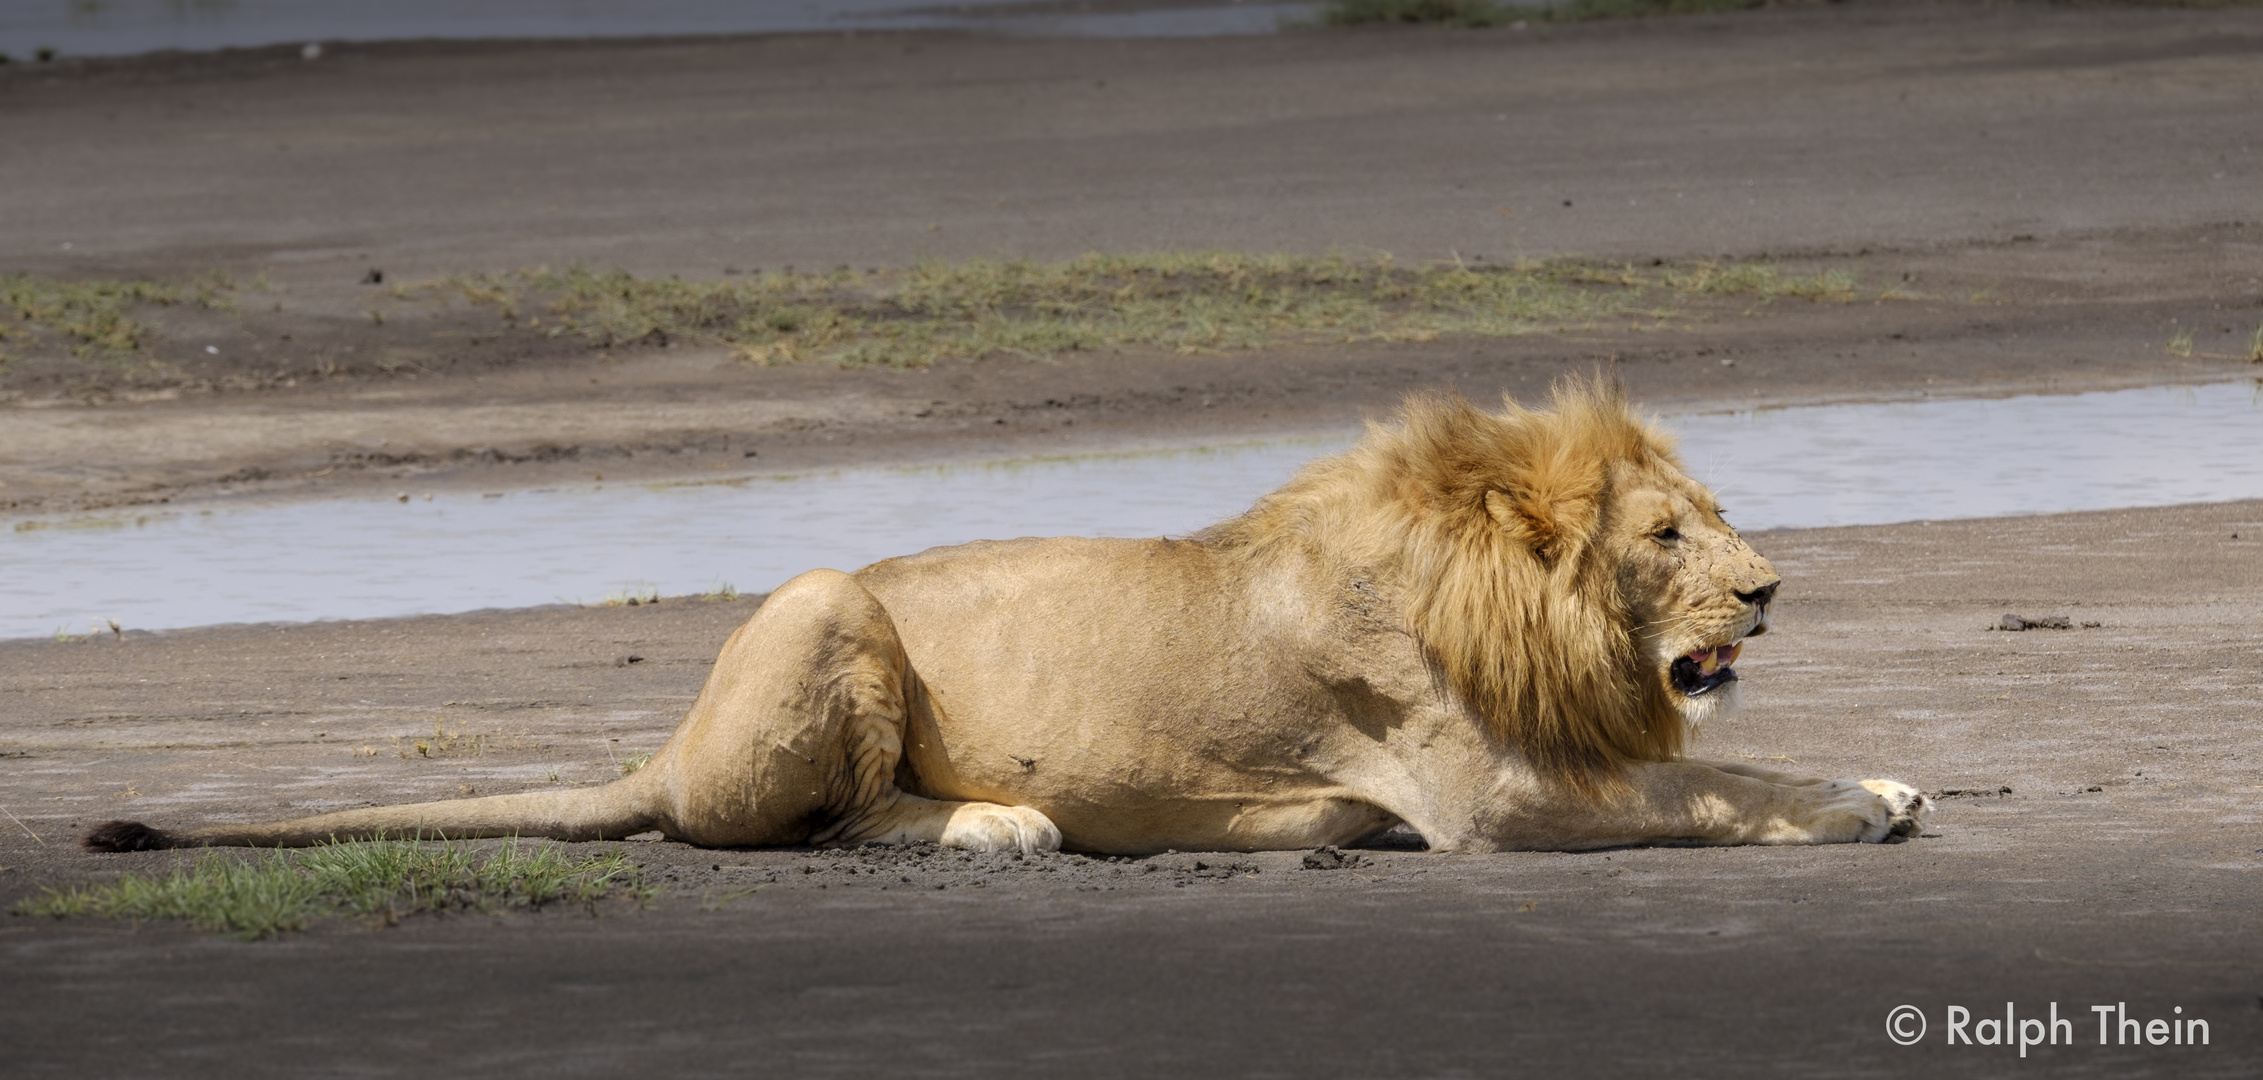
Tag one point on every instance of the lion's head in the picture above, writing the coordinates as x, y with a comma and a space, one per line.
1578, 590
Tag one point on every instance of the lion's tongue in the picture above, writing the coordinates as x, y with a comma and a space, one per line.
1711, 660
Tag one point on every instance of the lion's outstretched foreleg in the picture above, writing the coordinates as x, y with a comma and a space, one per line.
1773, 776
1906, 807
797, 735
1688, 802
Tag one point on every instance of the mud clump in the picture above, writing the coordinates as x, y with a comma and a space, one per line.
2038, 622
1328, 858
1184, 870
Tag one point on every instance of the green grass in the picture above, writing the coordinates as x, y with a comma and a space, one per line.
1760, 280
93, 317
912, 317
1485, 13
277, 892
1189, 302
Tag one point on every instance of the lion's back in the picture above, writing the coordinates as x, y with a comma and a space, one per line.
1061, 601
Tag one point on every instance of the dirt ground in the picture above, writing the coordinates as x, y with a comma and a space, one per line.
2061, 189
2057, 191
2097, 842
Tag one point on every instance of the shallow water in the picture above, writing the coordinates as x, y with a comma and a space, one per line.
126, 27
1829, 465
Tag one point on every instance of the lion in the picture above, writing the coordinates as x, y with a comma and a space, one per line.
1497, 628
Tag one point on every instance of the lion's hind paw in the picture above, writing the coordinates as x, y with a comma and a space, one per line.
1907, 810
991, 827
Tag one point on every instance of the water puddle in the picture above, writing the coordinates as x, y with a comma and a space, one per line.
1827, 465
126, 27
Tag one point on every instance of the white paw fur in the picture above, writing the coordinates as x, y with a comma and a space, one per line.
1869, 811
1907, 809
991, 827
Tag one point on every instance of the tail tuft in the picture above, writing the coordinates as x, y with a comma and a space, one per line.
125, 836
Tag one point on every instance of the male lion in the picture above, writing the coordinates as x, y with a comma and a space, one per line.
1497, 628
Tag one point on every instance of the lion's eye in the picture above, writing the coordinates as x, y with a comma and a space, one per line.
1667, 535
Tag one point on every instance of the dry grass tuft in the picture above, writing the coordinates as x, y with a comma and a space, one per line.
912, 317
1189, 302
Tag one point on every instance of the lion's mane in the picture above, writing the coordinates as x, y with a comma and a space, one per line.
1488, 522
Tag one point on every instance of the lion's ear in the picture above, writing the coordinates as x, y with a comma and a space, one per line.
1549, 526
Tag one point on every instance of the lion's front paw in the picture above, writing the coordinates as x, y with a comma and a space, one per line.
991, 827
1907, 808
1869, 811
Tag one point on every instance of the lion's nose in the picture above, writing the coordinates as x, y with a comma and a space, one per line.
1759, 597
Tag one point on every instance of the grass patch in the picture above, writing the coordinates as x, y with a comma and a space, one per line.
278, 891
1760, 280
2180, 344
1189, 302
94, 317
1485, 13
912, 317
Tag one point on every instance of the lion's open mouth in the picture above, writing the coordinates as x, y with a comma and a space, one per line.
1705, 670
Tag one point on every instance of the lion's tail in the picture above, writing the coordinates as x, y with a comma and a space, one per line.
622, 808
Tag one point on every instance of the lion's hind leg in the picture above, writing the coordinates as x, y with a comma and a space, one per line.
797, 736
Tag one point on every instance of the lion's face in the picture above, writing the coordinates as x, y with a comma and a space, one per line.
1695, 588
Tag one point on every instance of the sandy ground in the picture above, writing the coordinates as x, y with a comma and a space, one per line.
2063, 188
2098, 842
